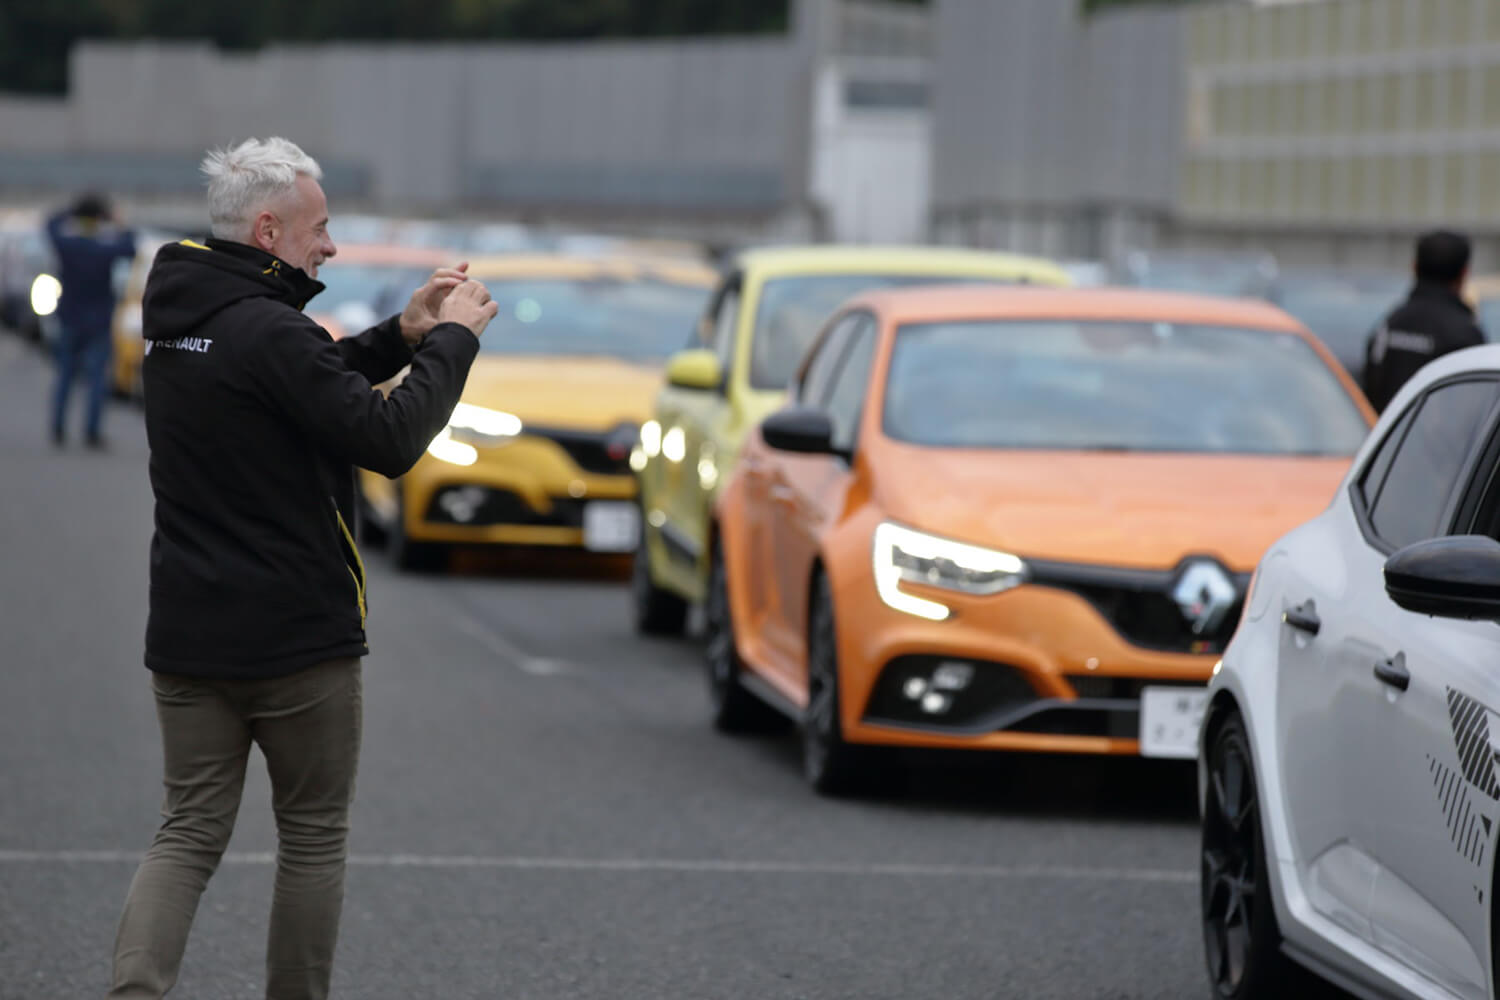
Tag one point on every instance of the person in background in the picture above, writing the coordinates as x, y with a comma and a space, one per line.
87, 242
1433, 321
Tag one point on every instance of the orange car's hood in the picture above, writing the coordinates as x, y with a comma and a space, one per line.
1138, 510
587, 393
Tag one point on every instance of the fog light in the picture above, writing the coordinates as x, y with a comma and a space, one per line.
462, 504
914, 688
935, 703
953, 675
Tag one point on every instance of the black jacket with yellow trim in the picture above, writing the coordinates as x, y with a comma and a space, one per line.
256, 417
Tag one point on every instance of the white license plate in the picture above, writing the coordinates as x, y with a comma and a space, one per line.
1170, 719
610, 526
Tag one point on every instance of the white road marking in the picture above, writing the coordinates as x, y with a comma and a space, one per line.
536, 666
1067, 873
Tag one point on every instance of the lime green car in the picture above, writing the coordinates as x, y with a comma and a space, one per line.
760, 320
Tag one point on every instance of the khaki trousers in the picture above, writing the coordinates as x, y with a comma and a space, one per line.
308, 727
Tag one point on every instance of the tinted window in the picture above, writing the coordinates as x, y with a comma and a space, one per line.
793, 310
1428, 460
1374, 475
1126, 386
638, 320
821, 366
724, 323
847, 397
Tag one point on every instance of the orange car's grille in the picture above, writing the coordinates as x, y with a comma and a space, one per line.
1139, 605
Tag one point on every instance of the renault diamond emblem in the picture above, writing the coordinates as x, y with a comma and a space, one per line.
1204, 594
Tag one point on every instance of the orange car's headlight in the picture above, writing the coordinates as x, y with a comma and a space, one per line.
902, 554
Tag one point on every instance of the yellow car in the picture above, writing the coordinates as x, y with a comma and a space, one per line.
760, 321
128, 344
538, 450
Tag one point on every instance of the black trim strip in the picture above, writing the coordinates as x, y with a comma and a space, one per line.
1007, 718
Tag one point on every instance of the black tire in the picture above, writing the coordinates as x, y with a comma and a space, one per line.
1242, 943
832, 766
657, 611
408, 555
735, 710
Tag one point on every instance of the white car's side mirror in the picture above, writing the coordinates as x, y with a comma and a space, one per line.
1453, 577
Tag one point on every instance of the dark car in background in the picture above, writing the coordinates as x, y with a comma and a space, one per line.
1236, 273
1341, 307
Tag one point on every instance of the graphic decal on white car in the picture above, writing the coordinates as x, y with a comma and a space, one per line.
1474, 734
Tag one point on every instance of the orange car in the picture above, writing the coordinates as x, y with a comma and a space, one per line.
1015, 519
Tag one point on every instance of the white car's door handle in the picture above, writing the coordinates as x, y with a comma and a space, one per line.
1394, 672
1303, 618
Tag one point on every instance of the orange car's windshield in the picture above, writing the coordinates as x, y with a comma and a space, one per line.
1116, 386
793, 309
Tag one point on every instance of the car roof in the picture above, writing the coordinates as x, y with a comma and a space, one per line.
625, 266
393, 254
950, 261
953, 303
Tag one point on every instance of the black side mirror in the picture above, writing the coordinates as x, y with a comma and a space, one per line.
799, 428
1453, 577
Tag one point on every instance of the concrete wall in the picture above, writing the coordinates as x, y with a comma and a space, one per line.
709, 126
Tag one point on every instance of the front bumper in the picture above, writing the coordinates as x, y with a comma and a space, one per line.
530, 490
1048, 671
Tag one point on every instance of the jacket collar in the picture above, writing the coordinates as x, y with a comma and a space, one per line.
1431, 291
296, 288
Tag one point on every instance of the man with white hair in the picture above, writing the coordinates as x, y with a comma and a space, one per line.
256, 417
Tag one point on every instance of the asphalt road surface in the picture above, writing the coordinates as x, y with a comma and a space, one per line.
543, 810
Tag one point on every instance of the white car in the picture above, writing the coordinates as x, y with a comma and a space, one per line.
1348, 773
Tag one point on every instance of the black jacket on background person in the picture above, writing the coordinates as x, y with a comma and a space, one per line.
1433, 321
255, 417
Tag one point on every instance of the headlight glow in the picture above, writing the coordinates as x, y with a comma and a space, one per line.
651, 438
479, 425
444, 448
45, 293
902, 554
674, 445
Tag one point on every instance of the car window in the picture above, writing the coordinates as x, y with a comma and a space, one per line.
1380, 464
635, 319
725, 319
1131, 386
822, 364
1428, 461
846, 395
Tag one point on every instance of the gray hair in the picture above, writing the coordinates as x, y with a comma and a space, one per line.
243, 179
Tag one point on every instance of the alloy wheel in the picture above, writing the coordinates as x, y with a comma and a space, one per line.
1232, 879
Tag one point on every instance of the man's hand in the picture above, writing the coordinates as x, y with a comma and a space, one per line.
470, 305
421, 313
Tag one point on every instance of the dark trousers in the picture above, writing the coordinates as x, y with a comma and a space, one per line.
86, 352
308, 727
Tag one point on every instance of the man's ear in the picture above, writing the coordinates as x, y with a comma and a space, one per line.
264, 231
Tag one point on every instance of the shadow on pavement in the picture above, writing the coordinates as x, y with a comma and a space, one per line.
1035, 786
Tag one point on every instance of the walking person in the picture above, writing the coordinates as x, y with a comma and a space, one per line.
1433, 321
86, 242
255, 418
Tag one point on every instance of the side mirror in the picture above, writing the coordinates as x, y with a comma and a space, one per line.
695, 369
1453, 577
800, 429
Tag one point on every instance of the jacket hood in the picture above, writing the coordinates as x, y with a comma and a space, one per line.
190, 281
